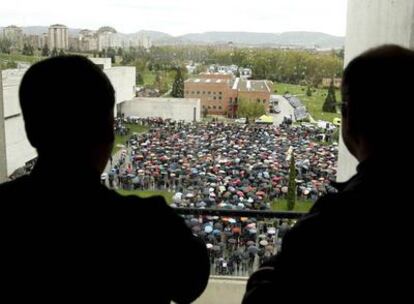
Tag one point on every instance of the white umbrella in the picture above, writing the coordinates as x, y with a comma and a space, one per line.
263, 243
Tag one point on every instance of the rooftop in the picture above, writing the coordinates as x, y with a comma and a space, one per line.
253, 86
208, 81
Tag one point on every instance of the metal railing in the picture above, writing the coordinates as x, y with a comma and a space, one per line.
239, 241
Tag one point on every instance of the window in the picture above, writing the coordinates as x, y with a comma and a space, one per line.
264, 100
209, 92
198, 92
204, 92
220, 93
214, 93
214, 107
209, 107
220, 97
192, 92
258, 100
219, 107
186, 92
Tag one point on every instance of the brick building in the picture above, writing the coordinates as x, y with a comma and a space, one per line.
219, 93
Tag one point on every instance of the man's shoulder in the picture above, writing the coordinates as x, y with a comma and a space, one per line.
13, 187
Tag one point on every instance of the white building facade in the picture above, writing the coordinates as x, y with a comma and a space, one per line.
371, 23
58, 37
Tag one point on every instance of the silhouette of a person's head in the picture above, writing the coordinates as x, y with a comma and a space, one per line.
67, 104
377, 97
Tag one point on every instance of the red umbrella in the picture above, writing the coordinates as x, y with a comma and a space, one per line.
240, 193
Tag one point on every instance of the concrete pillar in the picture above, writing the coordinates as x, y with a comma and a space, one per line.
371, 23
3, 160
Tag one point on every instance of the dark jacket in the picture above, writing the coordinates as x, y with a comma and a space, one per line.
69, 237
343, 249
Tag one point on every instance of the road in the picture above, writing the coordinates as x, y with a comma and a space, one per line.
285, 110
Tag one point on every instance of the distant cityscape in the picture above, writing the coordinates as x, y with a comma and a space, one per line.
58, 37
65, 38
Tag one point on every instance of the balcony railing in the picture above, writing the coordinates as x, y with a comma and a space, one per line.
239, 241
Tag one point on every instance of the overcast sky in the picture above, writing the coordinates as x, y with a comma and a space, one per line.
179, 17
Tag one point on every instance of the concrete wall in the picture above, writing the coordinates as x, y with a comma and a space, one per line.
123, 80
223, 291
371, 23
173, 108
18, 148
3, 160
106, 62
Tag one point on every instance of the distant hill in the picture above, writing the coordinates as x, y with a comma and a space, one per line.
294, 39
38, 30
302, 39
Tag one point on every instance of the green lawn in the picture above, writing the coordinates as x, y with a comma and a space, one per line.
313, 103
300, 206
168, 196
121, 140
18, 57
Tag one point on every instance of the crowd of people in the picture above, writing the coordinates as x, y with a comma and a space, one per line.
231, 166
215, 164
237, 246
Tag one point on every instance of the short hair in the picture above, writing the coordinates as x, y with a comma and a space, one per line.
376, 92
67, 100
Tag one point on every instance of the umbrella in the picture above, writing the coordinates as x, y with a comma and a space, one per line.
271, 230
216, 248
263, 243
232, 221
218, 226
209, 246
251, 225
231, 241
253, 231
196, 229
262, 236
216, 232
253, 249
250, 243
208, 229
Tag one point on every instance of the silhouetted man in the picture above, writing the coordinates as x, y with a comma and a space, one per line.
342, 251
81, 241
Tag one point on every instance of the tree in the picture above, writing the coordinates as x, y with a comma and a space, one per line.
61, 52
205, 112
30, 50
45, 51
291, 195
5, 45
120, 52
330, 101
140, 79
111, 53
238, 73
250, 109
309, 92
54, 52
24, 51
157, 81
178, 85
